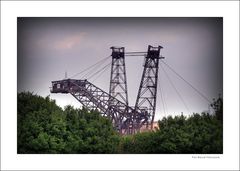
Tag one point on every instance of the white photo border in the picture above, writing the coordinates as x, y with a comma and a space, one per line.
10, 10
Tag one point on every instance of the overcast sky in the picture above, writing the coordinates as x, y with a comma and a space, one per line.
47, 47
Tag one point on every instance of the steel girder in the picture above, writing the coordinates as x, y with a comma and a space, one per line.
94, 98
146, 98
118, 78
126, 119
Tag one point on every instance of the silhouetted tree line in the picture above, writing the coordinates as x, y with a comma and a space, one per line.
44, 127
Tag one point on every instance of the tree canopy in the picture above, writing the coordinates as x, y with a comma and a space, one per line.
198, 134
44, 127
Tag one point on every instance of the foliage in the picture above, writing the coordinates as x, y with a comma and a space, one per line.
43, 127
198, 134
217, 105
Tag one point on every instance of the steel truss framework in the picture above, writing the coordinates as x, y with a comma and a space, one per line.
146, 98
114, 105
118, 78
94, 98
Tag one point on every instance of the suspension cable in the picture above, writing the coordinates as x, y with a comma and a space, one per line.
180, 97
94, 74
100, 74
201, 94
162, 99
102, 60
162, 96
92, 70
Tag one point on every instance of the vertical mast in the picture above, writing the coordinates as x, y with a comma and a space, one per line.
146, 98
118, 84
118, 79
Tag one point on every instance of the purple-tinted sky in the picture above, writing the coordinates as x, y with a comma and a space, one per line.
47, 47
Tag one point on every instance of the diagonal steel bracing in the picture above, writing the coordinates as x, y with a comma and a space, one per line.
94, 98
146, 98
114, 105
118, 78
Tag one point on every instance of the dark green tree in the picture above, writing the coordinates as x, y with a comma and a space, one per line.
217, 105
197, 134
43, 127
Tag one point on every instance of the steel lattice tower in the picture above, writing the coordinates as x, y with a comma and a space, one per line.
114, 105
146, 98
118, 79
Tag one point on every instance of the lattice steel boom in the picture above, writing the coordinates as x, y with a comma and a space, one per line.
146, 98
114, 105
94, 98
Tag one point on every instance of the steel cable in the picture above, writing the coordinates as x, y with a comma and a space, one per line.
94, 74
100, 74
201, 94
180, 97
102, 60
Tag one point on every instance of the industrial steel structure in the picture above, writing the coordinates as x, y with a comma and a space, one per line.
118, 79
114, 105
147, 93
